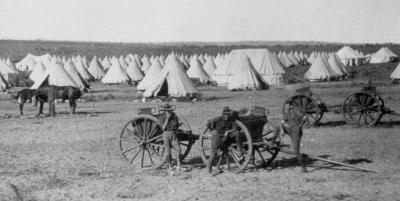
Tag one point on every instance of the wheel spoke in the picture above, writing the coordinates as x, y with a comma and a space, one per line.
145, 129
141, 162
154, 138
359, 118
137, 153
130, 149
259, 153
151, 159
129, 140
153, 129
371, 116
137, 128
365, 119
234, 157
186, 145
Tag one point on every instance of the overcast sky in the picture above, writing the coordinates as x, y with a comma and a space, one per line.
356, 21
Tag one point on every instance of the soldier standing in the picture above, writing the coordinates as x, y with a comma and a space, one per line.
170, 124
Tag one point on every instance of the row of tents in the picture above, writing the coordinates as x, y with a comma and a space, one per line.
238, 70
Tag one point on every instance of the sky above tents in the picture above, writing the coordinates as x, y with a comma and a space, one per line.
354, 21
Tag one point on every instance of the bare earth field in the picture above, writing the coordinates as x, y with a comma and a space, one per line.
77, 157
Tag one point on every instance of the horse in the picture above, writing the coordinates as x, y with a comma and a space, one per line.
23, 95
50, 93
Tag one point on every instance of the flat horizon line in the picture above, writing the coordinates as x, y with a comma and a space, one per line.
244, 42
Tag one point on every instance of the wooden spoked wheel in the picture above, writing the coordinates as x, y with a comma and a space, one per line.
228, 156
363, 109
266, 150
141, 142
307, 105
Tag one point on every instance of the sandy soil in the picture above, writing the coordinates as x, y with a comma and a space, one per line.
77, 157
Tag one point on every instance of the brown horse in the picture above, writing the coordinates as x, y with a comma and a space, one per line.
50, 93
22, 96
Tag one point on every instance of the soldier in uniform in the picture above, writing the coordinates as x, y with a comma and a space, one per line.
170, 124
223, 129
293, 126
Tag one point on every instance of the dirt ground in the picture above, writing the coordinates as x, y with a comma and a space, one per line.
78, 158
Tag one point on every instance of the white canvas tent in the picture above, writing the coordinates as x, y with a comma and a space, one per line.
319, 70
54, 75
146, 64
10, 75
349, 57
115, 75
106, 63
10, 64
396, 73
171, 81
133, 71
337, 66
209, 66
266, 65
37, 72
80, 66
28, 63
3, 84
196, 71
245, 76
154, 69
73, 72
383, 55
95, 69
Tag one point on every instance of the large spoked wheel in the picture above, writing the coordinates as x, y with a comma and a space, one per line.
228, 154
141, 142
363, 109
307, 105
265, 151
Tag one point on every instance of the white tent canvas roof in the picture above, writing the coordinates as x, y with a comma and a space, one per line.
106, 63
319, 70
146, 64
55, 75
27, 63
383, 55
348, 56
154, 69
3, 84
196, 71
266, 65
133, 71
37, 72
172, 81
396, 73
95, 69
82, 69
115, 75
337, 66
10, 64
209, 66
71, 70
245, 76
